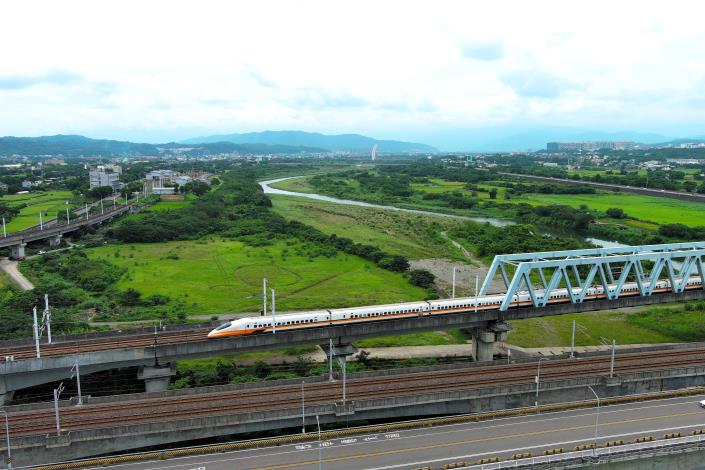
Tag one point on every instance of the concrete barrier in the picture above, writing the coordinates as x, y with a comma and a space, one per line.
472, 404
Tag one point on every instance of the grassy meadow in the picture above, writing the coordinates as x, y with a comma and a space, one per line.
46, 202
214, 276
410, 235
594, 328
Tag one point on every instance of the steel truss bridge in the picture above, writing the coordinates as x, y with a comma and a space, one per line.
576, 271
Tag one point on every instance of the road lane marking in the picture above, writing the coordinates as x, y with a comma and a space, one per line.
555, 416
484, 439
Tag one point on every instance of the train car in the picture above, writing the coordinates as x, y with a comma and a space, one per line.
378, 312
313, 319
289, 321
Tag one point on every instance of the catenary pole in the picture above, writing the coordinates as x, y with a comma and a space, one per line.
572, 342
36, 332
47, 317
274, 313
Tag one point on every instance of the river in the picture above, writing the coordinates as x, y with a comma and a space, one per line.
266, 186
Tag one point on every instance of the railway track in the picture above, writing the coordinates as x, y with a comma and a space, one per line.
93, 416
105, 344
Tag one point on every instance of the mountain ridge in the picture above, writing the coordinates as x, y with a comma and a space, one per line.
334, 142
70, 145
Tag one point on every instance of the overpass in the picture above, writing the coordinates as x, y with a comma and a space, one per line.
155, 354
17, 241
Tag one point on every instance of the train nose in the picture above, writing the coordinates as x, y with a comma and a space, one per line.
213, 334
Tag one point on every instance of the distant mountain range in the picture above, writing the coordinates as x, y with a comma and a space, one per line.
340, 143
77, 146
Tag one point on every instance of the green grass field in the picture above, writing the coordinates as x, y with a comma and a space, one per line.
49, 202
647, 208
592, 329
216, 276
171, 205
410, 235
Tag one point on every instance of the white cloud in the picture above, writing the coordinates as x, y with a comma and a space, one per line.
332, 66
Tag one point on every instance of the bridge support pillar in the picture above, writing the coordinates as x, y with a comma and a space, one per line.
156, 378
17, 251
483, 340
55, 241
6, 398
339, 352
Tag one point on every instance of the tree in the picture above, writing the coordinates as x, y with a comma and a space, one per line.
101, 192
493, 193
616, 213
421, 278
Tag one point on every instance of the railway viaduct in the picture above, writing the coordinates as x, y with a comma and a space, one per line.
156, 362
155, 354
18, 240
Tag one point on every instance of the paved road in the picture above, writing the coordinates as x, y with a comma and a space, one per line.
10, 267
470, 441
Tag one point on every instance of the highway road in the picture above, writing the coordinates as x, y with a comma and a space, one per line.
469, 442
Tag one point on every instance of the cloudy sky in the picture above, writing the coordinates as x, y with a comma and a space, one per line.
162, 70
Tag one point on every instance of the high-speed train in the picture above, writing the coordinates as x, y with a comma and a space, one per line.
337, 316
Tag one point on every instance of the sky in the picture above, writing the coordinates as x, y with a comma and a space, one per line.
168, 70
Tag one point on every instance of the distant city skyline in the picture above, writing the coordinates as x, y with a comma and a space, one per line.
436, 73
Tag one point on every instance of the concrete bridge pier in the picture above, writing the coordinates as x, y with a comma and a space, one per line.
156, 378
5, 394
483, 340
55, 241
17, 251
339, 352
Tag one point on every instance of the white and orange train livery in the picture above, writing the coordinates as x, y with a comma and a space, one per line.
319, 318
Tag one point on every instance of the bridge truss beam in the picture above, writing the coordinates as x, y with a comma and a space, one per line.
541, 274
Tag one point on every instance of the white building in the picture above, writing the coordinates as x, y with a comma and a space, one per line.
105, 175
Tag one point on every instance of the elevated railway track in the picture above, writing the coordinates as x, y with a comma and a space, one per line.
176, 406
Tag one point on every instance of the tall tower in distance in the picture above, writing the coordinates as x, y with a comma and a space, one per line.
373, 152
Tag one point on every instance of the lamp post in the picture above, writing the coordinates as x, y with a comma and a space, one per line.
7, 438
303, 410
320, 462
597, 417
538, 381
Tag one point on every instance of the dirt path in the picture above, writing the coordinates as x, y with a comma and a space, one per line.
10, 267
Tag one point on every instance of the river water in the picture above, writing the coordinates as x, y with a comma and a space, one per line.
349, 202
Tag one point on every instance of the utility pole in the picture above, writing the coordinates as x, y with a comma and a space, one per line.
330, 360
41, 224
343, 365
46, 318
4, 229
264, 297
303, 410
453, 292
572, 342
477, 291
75, 369
102, 211
114, 197
614, 347
68, 217
7, 438
36, 331
86, 211
538, 381
57, 392
274, 313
